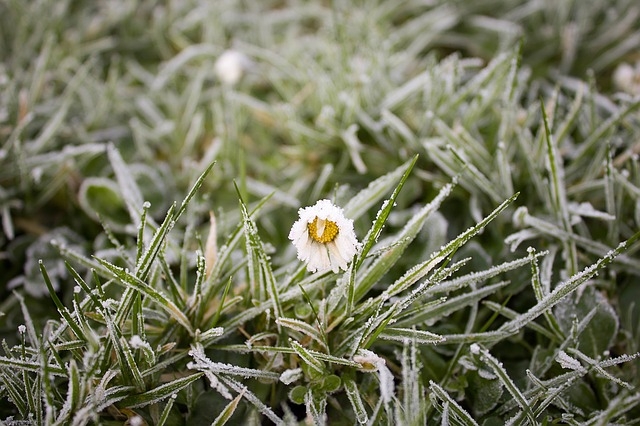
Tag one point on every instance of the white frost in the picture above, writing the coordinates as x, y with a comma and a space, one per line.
289, 376
568, 362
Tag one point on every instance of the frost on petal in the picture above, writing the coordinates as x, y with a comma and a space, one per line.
324, 237
337, 259
318, 260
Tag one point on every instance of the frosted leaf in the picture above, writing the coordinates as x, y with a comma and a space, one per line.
211, 246
136, 342
587, 210
37, 173
203, 363
486, 374
568, 362
291, 375
368, 360
387, 386
519, 217
371, 362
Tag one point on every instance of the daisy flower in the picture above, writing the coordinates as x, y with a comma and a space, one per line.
231, 66
324, 237
627, 77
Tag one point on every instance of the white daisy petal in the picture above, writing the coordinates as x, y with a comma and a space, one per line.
324, 237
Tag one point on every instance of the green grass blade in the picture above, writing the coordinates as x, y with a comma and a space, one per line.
459, 414
159, 393
376, 229
126, 279
228, 411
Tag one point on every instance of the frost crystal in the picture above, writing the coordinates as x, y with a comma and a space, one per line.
22, 328
568, 362
370, 362
136, 342
289, 376
474, 348
136, 421
324, 237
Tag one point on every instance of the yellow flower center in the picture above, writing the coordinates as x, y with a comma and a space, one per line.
322, 230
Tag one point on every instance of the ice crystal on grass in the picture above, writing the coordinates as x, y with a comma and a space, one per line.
371, 362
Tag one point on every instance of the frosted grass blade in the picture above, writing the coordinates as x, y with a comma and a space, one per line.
351, 388
160, 393
128, 280
374, 233
374, 192
228, 411
407, 334
566, 288
454, 408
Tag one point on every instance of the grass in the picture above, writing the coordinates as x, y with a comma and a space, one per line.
486, 156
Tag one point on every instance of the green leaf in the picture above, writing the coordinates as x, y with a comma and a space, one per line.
484, 394
355, 399
381, 217
61, 308
599, 334
228, 411
403, 334
100, 199
454, 411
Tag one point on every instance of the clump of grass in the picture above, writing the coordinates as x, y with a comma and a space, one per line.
490, 171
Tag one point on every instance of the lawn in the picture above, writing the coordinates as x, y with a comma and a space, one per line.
319, 212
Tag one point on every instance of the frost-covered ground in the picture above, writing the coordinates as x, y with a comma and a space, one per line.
476, 260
